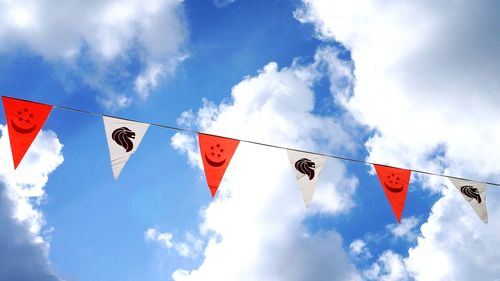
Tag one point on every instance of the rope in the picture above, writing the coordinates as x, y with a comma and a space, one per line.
261, 143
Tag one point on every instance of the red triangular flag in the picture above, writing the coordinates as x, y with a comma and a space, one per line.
24, 120
216, 153
395, 183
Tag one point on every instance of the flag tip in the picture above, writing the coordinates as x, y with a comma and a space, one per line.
308, 204
213, 191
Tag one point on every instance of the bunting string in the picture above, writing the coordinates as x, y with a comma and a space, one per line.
258, 143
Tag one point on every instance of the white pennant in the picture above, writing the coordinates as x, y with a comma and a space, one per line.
123, 138
475, 194
307, 167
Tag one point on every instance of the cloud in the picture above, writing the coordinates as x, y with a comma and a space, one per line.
453, 238
23, 249
255, 227
165, 238
191, 247
388, 267
99, 40
407, 229
427, 84
358, 249
456, 239
426, 77
223, 3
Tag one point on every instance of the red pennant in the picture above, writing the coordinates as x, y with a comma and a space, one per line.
24, 120
395, 183
216, 153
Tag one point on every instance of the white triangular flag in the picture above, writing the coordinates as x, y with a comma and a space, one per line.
475, 194
307, 167
123, 138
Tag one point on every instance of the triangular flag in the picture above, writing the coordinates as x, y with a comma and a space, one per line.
216, 153
24, 120
475, 193
123, 138
395, 183
307, 167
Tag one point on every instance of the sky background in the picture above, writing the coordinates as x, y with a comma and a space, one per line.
409, 84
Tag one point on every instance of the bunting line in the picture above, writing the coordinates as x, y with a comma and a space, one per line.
258, 143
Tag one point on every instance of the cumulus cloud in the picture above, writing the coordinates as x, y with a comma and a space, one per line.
427, 84
426, 78
23, 249
257, 216
456, 239
100, 40
388, 267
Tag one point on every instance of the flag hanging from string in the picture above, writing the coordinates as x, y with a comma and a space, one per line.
24, 120
306, 167
395, 183
123, 138
216, 153
474, 193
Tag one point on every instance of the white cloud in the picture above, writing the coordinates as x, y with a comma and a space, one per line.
425, 76
148, 80
23, 247
453, 238
358, 249
186, 144
357, 246
254, 227
150, 234
191, 247
427, 82
164, 238
223, 3
99, 39
389, 267
456, 239
406, 229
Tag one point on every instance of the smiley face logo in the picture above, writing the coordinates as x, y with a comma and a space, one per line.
23, 122
394, 182
215, 157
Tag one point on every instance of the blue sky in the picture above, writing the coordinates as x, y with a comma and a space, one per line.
384, 82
